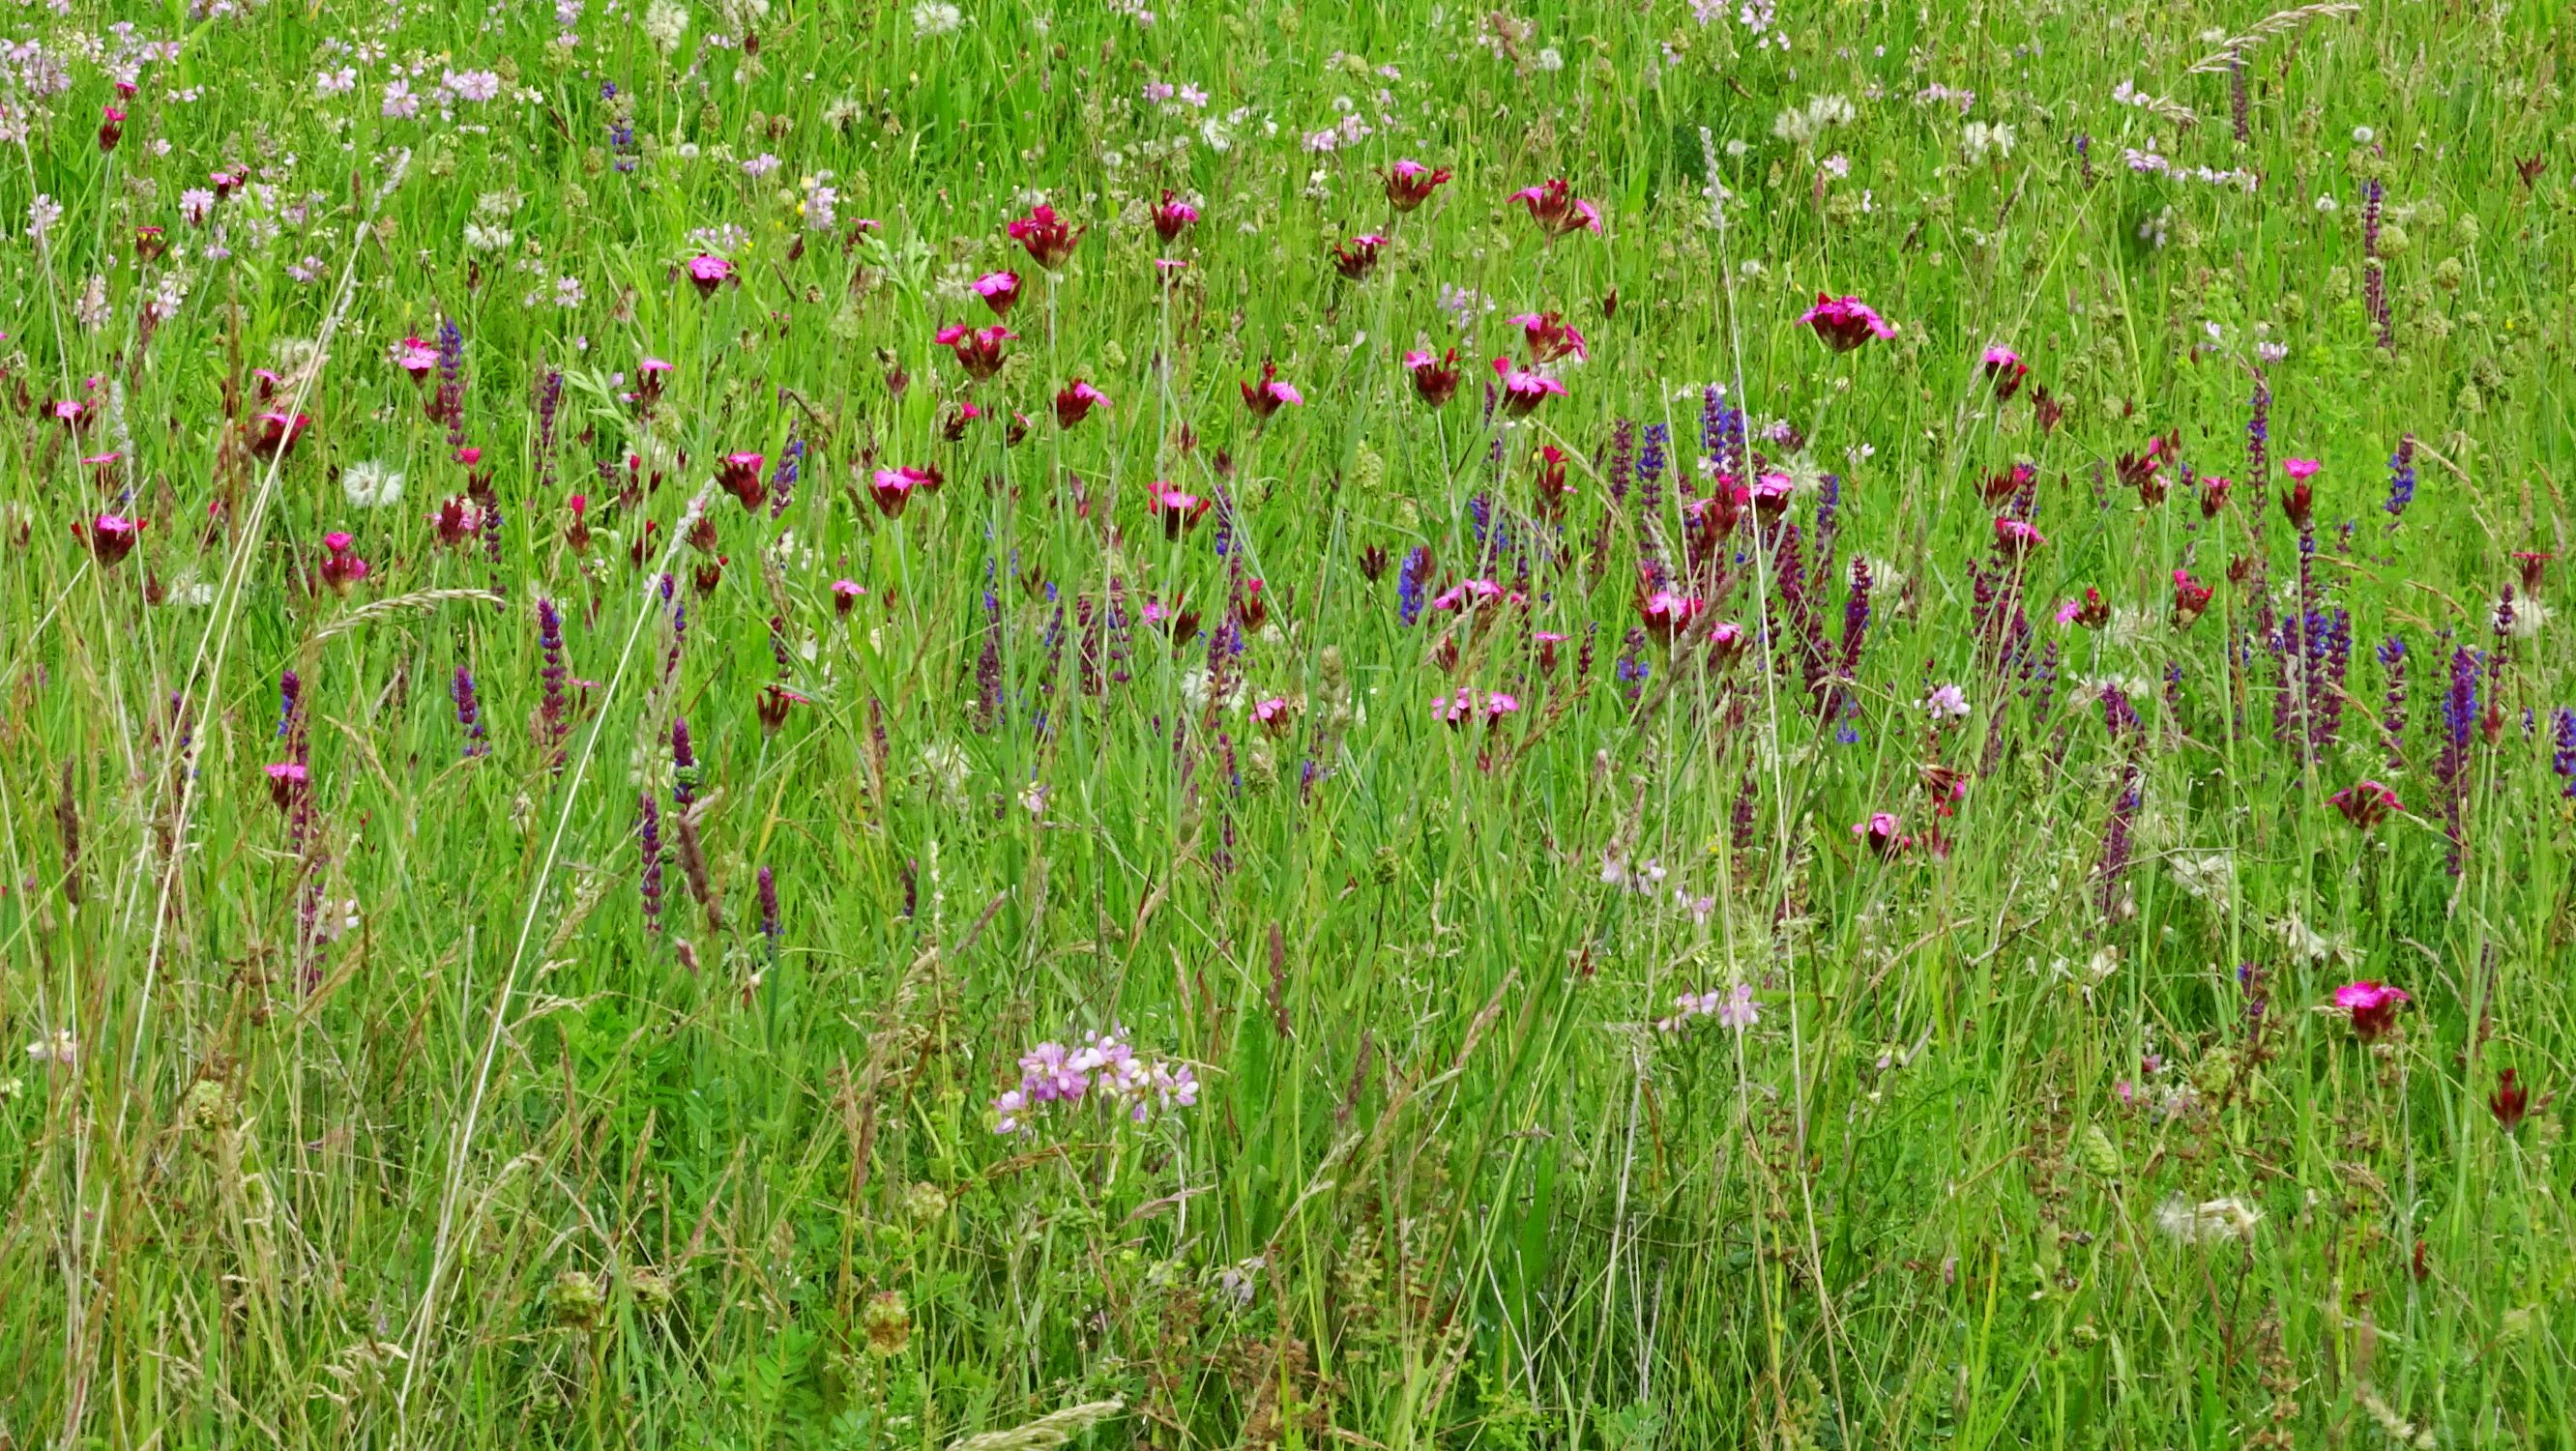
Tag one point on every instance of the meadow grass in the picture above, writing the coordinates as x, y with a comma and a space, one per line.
632, 854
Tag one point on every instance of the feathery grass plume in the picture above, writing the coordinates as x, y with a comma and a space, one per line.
369, 614
2231, 52
1046, 1432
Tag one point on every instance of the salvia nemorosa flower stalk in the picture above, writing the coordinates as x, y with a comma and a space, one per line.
1412, 585
2238, 103
2374, 271
782, 479
290, 696
2451, 766
1840, 703
1793, 627
1120, 630
2258, 448
988, 667
447, 406
1651, 461
2401, 478
1623, 461
769, 924
1829, 502
2562, 760
1222, 541
1090, 639
1741, 819
554, 715
1855, 618
1225, 653
2120, 718
2001, 628
549, 404
469, 712
1632, 668
649, 835
679, 628
2336, 652
2258, 998
2118, 835
1051, 646
1618, 475
684, 765
2392, 719
1721, 430
2307, 627
880, 744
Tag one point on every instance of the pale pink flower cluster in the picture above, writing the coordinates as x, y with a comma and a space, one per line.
1734, 1008
1102, 1069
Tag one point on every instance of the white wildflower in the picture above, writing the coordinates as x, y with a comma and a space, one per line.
1801, 126
665, 23
947, 766
935, 18
2308, 945
59, 1046
2213, 1221
188, 592
371, 484
2205, 877
2522, 616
